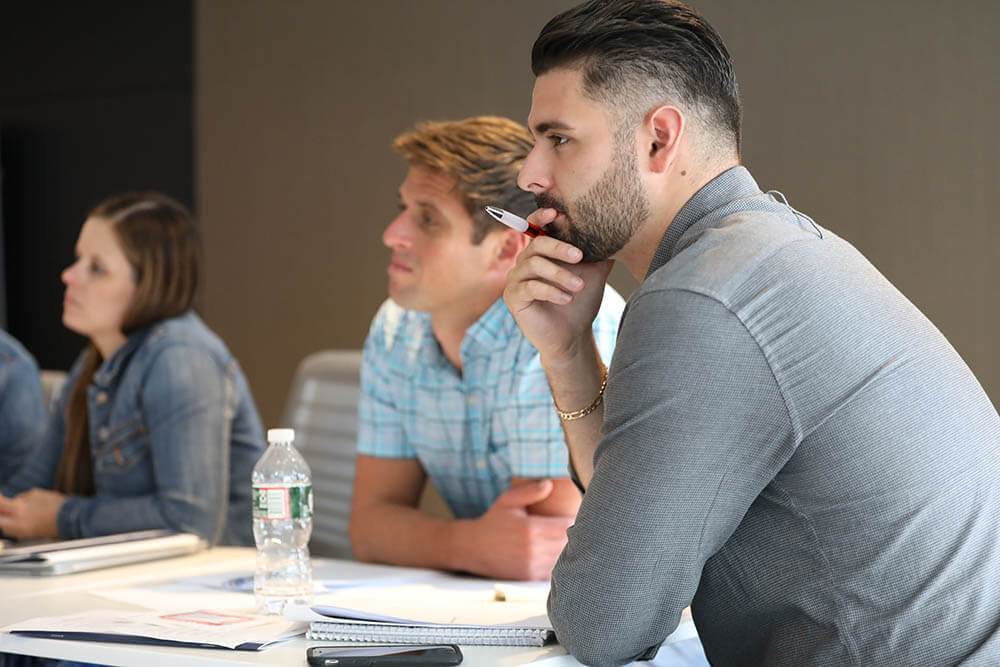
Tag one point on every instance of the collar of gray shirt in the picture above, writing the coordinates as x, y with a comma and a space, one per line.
733, 186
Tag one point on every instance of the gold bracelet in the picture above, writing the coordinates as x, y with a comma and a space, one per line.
580, 414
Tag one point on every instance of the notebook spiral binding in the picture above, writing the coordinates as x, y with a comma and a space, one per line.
429, 634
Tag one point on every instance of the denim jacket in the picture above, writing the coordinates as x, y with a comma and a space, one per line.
174, 435
22, 410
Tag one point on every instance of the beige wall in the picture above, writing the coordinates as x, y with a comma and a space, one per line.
878, 119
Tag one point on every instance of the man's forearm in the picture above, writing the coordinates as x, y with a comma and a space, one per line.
504, 543
576, 384
399, 535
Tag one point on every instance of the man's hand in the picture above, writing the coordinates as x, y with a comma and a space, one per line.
31, 514
509, 543
519, 537
553, 297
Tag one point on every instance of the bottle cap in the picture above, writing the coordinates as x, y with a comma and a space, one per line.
281, 435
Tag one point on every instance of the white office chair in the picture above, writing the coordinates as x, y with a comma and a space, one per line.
322, 407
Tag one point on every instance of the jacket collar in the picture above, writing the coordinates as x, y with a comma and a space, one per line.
111, 368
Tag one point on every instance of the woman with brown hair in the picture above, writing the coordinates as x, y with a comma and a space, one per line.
156, 426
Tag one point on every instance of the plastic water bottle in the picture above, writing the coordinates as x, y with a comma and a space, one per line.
282, 523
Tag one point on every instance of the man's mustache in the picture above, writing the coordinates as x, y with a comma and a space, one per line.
545, 200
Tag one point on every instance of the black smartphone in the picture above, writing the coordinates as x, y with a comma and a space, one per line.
377, 656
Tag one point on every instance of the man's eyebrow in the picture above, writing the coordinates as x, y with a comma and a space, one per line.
419, 202
542, 128
427, 204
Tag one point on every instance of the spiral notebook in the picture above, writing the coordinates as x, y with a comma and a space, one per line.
461, 627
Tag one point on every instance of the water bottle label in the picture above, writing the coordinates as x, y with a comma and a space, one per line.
282, 502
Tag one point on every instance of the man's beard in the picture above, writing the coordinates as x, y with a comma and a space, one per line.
607, 215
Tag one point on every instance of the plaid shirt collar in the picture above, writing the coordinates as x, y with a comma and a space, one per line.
491, 332
487, 335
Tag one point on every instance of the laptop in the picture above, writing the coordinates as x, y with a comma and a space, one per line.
92, 553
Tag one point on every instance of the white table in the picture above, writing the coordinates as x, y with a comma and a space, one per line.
22, 598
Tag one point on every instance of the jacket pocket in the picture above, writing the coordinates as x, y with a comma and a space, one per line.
124, 446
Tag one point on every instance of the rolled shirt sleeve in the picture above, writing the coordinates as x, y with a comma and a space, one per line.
380, 422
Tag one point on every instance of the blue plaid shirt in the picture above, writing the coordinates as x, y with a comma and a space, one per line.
471, 432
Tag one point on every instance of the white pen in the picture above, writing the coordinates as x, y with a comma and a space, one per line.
514, 221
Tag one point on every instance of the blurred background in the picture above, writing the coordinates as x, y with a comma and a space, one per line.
274, 121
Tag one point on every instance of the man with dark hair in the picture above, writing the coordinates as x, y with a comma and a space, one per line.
450, 388
782, 440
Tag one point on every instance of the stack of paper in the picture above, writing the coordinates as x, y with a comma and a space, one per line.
202, 628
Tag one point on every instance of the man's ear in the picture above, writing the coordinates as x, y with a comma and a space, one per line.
509, 245
663, 130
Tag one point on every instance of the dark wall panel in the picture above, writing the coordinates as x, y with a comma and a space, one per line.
96, 99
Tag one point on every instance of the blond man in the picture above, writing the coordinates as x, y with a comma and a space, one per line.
451, 389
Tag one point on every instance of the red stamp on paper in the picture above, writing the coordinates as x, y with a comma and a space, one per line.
207, 618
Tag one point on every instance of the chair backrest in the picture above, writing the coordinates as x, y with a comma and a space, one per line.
52, 383
322, 407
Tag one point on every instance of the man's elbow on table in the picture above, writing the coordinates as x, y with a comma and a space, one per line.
358, 537
592, 647
594, 638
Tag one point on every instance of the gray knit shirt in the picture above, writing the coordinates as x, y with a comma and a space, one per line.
792, 448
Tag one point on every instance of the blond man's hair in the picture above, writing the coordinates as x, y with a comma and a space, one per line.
484, 154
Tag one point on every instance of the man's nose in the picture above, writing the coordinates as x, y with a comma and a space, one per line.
534, 175
396, 234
